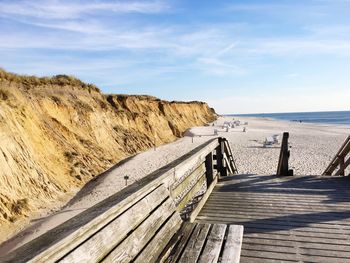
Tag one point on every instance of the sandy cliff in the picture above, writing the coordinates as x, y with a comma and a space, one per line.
58, 133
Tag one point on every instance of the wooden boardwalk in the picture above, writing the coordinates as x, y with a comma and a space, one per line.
286, 219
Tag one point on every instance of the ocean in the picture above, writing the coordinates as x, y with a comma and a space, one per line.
322, 117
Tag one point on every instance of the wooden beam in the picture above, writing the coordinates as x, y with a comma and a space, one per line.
155, 247
232, 249
195, 244
343, 151
220, 161
183, 185
58, 242
191, 193
139, 237
209, 169
343, 166
212, 249
104, 241
204, 199
283, 168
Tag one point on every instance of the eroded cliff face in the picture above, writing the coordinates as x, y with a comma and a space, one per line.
58, 133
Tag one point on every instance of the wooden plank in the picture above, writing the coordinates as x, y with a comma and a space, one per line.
230, 157
57, 242
202, 202
228, 164
188, 165
212, 249
282, 167
153, 250
232, 248
304, 219
132, 245
342, 166
100, 244
195, 244
209, 168
191, 193
182, 186
176, 245
343, 151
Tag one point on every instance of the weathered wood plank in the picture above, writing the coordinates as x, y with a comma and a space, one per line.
132, 245
195, 244
183, 185
191, 193
295, 219
59, 241
230, 156
228, 164
232, 249
176, 245
212, 249
103, 241
204, 199
209, 168
160, 240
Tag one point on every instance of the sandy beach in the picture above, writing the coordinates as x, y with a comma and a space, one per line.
312, 148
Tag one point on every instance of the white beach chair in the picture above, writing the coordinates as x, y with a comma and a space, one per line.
268, 142
275, 138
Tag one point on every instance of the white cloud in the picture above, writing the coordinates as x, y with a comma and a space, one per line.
60, 9
216, 66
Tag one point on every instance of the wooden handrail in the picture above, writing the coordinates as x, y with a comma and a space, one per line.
183, 179
283, 161
339, 161
230, 157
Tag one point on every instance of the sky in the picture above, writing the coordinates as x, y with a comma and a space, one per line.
239, 56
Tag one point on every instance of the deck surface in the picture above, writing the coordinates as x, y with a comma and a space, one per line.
286, 219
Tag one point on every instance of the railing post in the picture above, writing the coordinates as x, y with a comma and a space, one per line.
220, 151
283, 168
341, 166
209, 172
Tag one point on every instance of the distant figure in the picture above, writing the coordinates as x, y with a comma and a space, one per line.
227, 128
215, 132
244, 129
213, 124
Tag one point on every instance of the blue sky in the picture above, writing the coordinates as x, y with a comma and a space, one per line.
239, 56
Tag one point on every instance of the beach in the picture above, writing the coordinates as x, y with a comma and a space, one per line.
312, 148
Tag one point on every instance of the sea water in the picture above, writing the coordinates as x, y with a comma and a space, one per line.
322, 117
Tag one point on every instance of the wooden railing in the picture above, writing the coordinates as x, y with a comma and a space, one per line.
283, 161
340, 161
95, 235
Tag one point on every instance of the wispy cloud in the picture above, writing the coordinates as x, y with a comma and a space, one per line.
166, 39
216, 66
63, 9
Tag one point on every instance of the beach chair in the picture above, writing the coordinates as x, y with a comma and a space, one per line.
268, 142
275, 138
